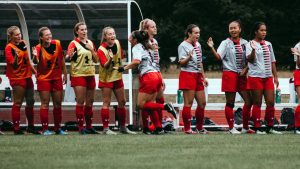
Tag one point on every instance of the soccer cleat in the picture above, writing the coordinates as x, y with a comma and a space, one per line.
108, 132
234, 131
125, 130
146, 131
272, 131
297, 131
203, 131
83, 131
158, 131
47, 133
1, 133
60, 132
91, 131
32, 130
259, 132
18, 132
170, 108
190, 132
247, 131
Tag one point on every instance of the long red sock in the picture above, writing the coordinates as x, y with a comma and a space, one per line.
199, 118
229, 116
80, 116
160, 113
88, 114
153, 106
186, 116
155, 119
105, 117
145, 118
29, 115
256, 111
15, 114
297, 117
246, 116
122, 116
44, 118
57, 116
269, 115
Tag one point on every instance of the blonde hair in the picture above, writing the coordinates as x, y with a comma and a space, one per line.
10, 32
144, 24
104, 32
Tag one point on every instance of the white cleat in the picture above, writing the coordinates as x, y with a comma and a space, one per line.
125, 130
109, 132
247, 131
260, 132
234, 131
297, 131
272, 131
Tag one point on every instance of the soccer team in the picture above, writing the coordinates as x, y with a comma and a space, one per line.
249, 68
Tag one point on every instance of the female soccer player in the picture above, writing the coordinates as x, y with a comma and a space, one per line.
192, 79
19, 71
232, 52
81, 52
50, 66
296, 52
262, 76
110, 80
150, 80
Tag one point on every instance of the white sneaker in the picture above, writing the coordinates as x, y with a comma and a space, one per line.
234, 131
260, 132
125, 130
109, 132
247, 131
272, 131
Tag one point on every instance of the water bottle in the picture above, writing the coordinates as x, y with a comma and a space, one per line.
278, 96
179, 98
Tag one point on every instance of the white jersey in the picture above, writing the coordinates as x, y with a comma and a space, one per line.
233, 55
195, 64
155, 53
140, 53
295, 56
262, 65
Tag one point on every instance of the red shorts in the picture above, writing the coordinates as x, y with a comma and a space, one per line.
232, 82
85, 81
150, 83
257, 83
50, 85
191, 81
25, 83
297, 77
113, 85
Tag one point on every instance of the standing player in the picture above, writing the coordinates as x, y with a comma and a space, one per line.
81, 52
110, 80
192, 79
50, 66
296, 52
19, 71
262, 76
232, 52
149, 26
150, 80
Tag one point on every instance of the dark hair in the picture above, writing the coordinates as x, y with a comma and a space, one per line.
240, 25
41, 33
189, 29
142, 37
76, 27
255, 28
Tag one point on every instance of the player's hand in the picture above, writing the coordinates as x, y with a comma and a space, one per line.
210, 42
295, 51
252, 44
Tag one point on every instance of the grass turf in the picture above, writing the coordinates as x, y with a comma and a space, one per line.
172, 151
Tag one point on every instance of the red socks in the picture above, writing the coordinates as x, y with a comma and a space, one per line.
160, 114
256, 110
88, 114
105, 117
145, 119
155, 119
229, 116
121, 116
297, 117
44, 118
269, 116
199, 118
57, 116
186, 116
153, 106
80, 116
246, 116
15, 114
29, 115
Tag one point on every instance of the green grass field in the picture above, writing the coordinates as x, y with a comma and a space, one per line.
215, 151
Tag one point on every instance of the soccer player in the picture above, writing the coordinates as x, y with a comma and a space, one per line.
296, 52
50, 67
261, 77
81, 52
19, 71
192, 79
110, 80
232, 52
150, 80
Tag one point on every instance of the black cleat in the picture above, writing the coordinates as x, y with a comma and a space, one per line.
32, 130
170, 108
146, 131
19, 132
91, 131
158, 131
